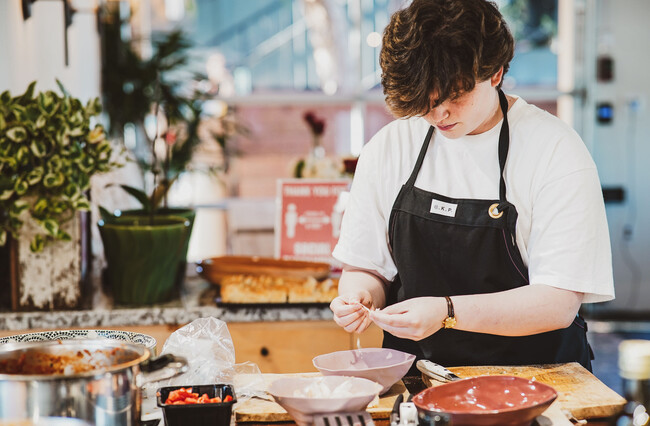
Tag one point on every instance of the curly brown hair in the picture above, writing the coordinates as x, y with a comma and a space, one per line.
442, 47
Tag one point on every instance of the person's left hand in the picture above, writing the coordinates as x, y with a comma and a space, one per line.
412, 319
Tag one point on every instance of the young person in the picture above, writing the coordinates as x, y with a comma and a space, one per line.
475, 226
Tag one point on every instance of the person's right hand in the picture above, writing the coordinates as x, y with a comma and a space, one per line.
349, 312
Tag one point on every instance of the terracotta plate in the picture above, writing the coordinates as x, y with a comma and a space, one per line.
215, 268
487, 400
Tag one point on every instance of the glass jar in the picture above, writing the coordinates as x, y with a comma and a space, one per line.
634, 369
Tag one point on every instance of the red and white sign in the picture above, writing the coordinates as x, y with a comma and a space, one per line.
309, 218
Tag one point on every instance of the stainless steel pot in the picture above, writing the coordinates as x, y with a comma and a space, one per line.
98, 381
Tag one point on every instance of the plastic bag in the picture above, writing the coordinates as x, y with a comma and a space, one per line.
210, 353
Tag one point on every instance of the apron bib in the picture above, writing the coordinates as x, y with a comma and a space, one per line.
444, 246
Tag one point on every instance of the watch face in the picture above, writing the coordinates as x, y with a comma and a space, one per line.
450, 322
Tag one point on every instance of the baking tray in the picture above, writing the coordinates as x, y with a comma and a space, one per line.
285, 305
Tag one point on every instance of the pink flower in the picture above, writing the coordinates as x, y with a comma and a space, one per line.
170, 137
317, 125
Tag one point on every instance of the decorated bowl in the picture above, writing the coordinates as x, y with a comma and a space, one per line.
125, 336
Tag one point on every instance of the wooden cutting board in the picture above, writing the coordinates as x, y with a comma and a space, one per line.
579, 392
262, 410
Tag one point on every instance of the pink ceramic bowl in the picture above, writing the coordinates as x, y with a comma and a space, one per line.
486, 400
303, 397
384, 366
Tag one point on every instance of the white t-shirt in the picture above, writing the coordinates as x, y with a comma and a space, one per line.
550, 177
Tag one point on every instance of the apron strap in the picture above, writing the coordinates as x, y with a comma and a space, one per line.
418, 163
504, 142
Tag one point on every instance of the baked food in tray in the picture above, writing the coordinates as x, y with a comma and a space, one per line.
267, 289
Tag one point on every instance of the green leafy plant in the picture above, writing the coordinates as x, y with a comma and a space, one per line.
48, 153
136, 89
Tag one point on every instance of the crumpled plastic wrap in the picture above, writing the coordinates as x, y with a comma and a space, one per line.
210, 353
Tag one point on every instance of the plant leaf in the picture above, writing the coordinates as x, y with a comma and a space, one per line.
3, 237
50, 226
21, 187
39, 148
71, 191
47, 103
40, 206
17, 134
37, 243
41, 121
5, 97
62, 88
22, 155
35, 175
96, 135
105, 214
93, 107
18, 207
29, 93
52, 180
6, 194
82, 203
139, 195
63, 236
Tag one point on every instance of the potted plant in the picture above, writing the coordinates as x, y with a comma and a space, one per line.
49, 150
148, 94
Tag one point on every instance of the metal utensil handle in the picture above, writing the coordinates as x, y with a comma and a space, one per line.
436, 371
163, 367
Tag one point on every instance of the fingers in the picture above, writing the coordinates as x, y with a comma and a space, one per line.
349, 314
342, 306
400, 328
401, 324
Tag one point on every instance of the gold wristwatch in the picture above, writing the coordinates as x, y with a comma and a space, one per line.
450, 321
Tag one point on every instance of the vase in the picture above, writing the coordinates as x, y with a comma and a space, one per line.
187, 213
317, 149
52, 279
142, 259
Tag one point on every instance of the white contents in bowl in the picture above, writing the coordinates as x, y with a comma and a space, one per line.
318, 389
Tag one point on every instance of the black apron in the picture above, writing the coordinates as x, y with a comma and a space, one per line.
463, 249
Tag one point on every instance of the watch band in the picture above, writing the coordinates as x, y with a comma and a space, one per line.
450, 321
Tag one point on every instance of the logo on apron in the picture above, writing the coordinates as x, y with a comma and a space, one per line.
442, 208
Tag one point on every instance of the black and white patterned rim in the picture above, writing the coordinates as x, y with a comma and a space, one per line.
125, 336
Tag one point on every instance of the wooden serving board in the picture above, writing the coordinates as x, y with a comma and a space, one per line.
579, 392
261, 410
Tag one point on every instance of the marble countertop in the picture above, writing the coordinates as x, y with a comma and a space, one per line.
196, 301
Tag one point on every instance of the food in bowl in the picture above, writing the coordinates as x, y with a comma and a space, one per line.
63, 360
304, 397
381, 365
486, 400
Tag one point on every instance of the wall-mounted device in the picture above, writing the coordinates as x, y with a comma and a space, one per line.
613, 194
604, 112
605, 68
